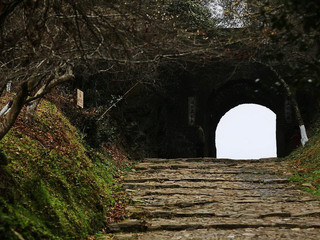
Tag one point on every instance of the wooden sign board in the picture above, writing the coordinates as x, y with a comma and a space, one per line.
80, 98
191, 111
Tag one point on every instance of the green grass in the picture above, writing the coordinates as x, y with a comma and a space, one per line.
51, 187
305, 162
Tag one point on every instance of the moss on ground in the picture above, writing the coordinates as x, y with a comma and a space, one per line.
52, 186
305, 162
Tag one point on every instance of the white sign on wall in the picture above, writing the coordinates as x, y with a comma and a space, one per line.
9, 86
80, 97
191, 110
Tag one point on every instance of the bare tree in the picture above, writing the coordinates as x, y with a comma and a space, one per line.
42, 41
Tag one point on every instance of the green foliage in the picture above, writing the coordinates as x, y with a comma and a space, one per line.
50, 187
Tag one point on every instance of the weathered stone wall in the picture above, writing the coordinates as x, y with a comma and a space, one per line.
155, 119
218, 88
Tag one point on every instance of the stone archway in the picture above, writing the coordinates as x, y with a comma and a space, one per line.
233, 94
216, 88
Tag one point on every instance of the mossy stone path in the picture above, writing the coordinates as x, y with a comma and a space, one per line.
216, 199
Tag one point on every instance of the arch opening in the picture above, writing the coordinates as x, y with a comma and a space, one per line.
247, 131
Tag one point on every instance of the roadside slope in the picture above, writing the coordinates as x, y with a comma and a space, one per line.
51, 185
305, 162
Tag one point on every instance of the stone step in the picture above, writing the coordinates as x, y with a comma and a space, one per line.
253, 208
194, 186
205, 175
285, 192
153, 212
263, 233
257, 167
183, 200
163, 180
190, 223
195, 165
205, 172
255, 203
214, 160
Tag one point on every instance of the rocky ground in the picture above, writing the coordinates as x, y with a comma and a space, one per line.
216, 199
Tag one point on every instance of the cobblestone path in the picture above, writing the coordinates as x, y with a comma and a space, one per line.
216, 199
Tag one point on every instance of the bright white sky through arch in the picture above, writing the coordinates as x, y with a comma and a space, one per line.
247, 131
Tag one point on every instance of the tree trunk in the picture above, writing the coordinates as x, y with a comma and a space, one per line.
21, 98
17, 105
32, 105
303, 133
